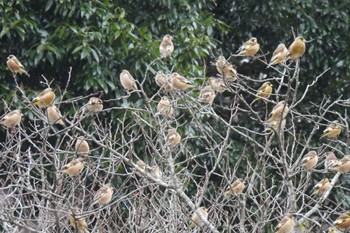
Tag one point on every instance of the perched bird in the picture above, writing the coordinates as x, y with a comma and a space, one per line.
333, 130
264, 91
286, 225
310, 160
279, 55
81, 146
342, 223
331, 160
165, 108
279, 112
162, 81
249, 48
332, 230
11, 119
103, 195
54, 116
275, 125
296, 49
220, 64
141, 165
166, 47
196, 220
207, 95
77, 221
342, 166
321, 187
218, 84
173, 138
235, 188
44, 98
179, 82
127, 81
156, 172
94, 105
229, 72
74, 168
15, 65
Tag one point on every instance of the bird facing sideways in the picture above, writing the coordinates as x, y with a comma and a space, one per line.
74, 168
235, 188
342, 223
128, 82
279, 55
54, 116
103, 195
77, 221
333, 130
11, 119
218, 84
249, 48
286, 225
342, 166
15, 66
264, 91
321, 187
196, 220
179, 82
44, 99
296, 49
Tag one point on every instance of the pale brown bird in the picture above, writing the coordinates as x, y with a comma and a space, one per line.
342, 223
156, 172
15, 66
141, 165
264, 91
296, 49
226, 69
249, 48
74, 168
173, 138
165, 108
310, 160
94, 105
162, 81
342, 166
11, 119
333, 130
279, 112
218, 84
275, 125
54, 116
321, 187
207, 95
332, 230
81, 146
330, 161
279, 55
44, 98
286, 225
220, 63
196, 220
77, 221
127, 81
103, 195
166, 47
235, 188
179, 82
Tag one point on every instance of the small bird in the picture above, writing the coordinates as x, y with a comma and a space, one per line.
249, 48
279, 55
342, 166
220, 63
331, 160
279, 112
286, 225
78, 222
166, 47
11, 119
275, 125
332, 230
310, 160
165, 108
156, 172
264, 91
196, 220
94, 105
44, 98
81, 146
321, 187
173, 138
141, 165
229, 72
54, 116
207, 95
74, 168
127, 81
15, 66
296, 49
162, 81
333, 130
235, 188
218, 84
103, 195
342, 223
179, 82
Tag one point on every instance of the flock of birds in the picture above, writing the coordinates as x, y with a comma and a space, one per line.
176, 82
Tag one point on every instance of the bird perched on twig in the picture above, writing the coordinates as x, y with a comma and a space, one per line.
15, 66
103, 195
235, 188
321, 187
286, 225
77, 221
11, 119
162, 81
166, 47
81, 146
196, 220
94, 105
264, 91
54, 116
342, 223
333, 130
310, 160
173, 138
342, 166
179, 82
128, 82
207, 95
279, 55
44, 99
218, 84
249, 48
279, 112
296, 49
75, 167
330, 161
165, 108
